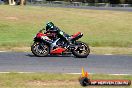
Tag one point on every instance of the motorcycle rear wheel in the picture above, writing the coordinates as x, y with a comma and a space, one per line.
79, 48
39, 49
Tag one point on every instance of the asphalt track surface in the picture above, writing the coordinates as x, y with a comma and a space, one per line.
128, 9
27, 62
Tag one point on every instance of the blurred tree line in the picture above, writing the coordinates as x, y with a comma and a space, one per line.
99, 1
22, 2
106, 1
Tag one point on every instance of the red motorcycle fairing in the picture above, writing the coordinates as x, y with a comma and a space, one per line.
39, 35
75, 35
58, 50
50, 35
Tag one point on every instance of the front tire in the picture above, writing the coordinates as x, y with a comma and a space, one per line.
40, 49
81, 50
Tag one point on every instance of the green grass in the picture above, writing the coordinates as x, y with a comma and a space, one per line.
45, 80
19, 24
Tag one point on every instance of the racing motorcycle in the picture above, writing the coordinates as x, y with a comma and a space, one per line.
59, 46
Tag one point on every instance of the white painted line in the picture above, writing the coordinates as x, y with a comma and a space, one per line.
118, 74
3, 51
62, 73
16, 72
4, 72
74, 73
95, 73
25, 72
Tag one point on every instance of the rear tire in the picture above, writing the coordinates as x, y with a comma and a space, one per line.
39, 49
76, 51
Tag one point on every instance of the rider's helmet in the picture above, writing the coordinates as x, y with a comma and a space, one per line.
49, 26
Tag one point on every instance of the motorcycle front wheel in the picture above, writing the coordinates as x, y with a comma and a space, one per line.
39, 49
81, 50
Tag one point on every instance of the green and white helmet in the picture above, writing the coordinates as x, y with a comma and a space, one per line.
49, 26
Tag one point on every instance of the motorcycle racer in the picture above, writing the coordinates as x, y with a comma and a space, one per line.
56, 42
50, 27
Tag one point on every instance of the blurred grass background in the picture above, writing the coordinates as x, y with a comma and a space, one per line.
18, 25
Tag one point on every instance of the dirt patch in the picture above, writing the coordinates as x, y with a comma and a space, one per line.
111, 50
16, 49
12, 18
53, 83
